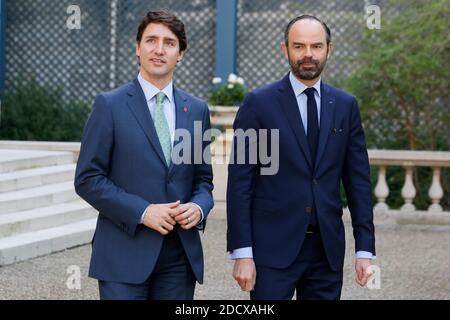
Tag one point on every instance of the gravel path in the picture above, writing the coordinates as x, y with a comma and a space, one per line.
413, 261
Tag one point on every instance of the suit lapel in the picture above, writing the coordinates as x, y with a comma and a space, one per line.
182, 108
327, 107
139, 108
286, 97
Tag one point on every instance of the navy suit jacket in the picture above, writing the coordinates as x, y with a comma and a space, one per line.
270, 212
121, 170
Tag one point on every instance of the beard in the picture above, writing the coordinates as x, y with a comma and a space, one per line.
310, 73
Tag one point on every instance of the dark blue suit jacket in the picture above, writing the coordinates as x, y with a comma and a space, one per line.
121, 170
270, 212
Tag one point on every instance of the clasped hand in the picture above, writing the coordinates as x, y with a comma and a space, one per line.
163, 217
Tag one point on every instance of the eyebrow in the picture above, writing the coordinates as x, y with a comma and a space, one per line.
316, 43
164, 38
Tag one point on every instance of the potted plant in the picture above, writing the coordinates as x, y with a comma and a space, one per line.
224, 100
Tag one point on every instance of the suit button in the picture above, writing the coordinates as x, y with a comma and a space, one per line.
315, 182
308, 209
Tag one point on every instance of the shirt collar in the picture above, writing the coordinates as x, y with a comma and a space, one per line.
299, 87
150, 90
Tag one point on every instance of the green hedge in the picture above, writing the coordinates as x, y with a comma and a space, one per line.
35, 112
402, 88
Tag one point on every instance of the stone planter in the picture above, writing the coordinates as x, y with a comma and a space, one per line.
223, 116
220, 151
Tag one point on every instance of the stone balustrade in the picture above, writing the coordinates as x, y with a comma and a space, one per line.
409, 160
382, 159
224, 116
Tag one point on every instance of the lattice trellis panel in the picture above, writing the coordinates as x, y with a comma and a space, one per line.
101, 55
261, 30
195, 72
39, 44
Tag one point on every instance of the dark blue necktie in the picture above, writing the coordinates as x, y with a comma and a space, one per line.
313, 124
313, 138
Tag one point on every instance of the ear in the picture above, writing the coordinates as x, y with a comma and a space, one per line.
138, 50
180, 56
330, 49
285, 50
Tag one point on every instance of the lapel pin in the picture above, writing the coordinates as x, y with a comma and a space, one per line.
185, 109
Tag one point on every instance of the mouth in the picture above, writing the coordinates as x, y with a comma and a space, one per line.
308, 65
157, 61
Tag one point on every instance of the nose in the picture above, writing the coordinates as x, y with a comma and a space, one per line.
159, 48
308, 52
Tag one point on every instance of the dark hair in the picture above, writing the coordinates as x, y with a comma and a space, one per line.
168, 19
303, 17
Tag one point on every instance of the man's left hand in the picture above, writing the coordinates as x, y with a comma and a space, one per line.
189, 215
362, 272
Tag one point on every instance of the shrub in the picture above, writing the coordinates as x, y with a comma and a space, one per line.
231, 93
31, 111
402, 88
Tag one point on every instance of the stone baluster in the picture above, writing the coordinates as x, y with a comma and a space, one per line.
435, 193
408, 190
381, 191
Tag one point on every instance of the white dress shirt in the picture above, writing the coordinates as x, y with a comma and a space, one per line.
302, 99
150, 92
302, 102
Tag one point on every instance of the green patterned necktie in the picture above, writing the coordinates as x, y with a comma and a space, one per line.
162, 127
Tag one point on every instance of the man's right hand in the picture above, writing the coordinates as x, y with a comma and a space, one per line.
244, 272
159, 216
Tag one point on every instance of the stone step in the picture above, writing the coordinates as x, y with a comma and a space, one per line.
42, 196
38, 243
13, 160
18, 180
45, 217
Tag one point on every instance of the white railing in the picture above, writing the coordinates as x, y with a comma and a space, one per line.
224, 116
378, 158
409, 160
